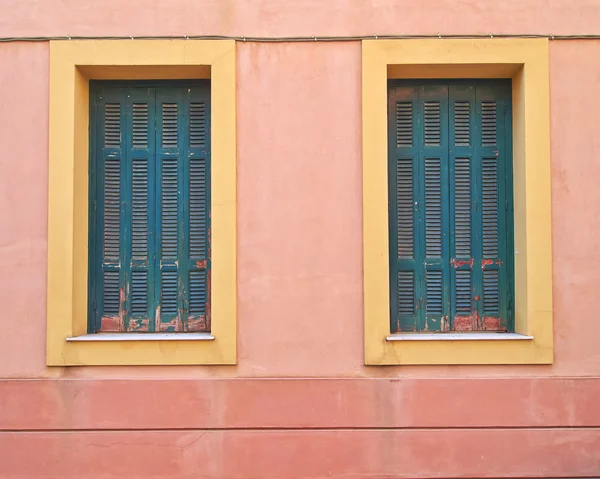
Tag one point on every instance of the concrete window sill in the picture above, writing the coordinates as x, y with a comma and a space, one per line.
116, 337
458, 337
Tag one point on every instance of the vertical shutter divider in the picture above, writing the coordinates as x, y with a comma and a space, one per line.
477, 212
93, 243
184, 262
182, 194
126, 175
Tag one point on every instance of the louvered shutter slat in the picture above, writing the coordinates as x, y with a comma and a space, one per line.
433, 208
139, 294
140, 125
111, 301
169, 208
112, 208
405, 210
489, 207
139, 206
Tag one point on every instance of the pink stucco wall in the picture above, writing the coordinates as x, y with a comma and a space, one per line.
299, 266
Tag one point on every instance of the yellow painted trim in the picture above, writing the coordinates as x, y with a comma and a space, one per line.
526, 62
72, 65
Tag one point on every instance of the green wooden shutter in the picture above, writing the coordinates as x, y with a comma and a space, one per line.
463, 204
450, 190
197, 273
169, 183
405, 248
140, 218
433, 182
111, 111
150, 230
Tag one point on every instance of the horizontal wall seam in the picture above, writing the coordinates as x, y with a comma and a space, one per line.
303, 429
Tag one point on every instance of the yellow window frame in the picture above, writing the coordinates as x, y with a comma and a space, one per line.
72, 65
526, 62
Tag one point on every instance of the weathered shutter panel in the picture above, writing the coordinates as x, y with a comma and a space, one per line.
185, 212
169, 148
150, 220
197, 260
403, 192
450, 207
434, 183
110, 278
140, 296
418, 245
463, 197
494, 282
480, 233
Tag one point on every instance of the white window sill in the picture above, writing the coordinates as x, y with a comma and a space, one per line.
142, 337
458, 337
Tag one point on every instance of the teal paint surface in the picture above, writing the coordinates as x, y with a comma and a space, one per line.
149, 206
450, 205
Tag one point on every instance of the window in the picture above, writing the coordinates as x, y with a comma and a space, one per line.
513, 296
150, 207
140, 76
450, 214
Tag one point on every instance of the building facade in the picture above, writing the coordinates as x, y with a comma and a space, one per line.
299, 239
